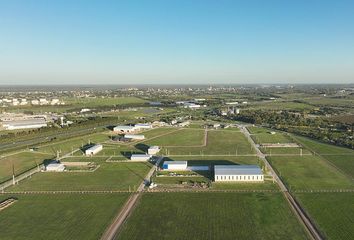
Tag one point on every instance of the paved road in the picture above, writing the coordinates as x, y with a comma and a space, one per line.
128, 207
300, 213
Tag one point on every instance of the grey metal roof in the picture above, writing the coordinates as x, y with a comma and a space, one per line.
237, 170
175, 162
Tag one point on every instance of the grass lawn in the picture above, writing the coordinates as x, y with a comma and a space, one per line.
218, 143
322, 148
271, 138
110, 176
309, 172
59, 216
212, 216
266, 185
21, 162
343, 162
285, 150
183, 137
333, 213
72, 143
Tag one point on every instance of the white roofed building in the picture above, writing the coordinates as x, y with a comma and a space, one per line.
93, 150
55, 167
175, 165
140, 157
134, 136
153, 150
238, 173
124, 129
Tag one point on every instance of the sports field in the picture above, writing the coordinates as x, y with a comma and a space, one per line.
333, 213
109, 176
309, 173
59, 216
212, 216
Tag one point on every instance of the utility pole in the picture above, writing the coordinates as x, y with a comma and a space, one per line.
13, 174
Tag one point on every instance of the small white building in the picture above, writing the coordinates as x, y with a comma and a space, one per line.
55, 167
153, 150
238, 173
124, 129
140, 157
175, 165
134, 136
93, 150
140, 126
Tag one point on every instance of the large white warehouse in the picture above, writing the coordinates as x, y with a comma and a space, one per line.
134, 136
175, 165
124, 129
93, 150
238, 173
24, 124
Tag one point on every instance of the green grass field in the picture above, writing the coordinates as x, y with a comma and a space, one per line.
271, 138
285, 150
322, 148
309, 172
183, 137
218, 143
333, 213
21, 162
110, 176
59, 216
344, 162
212, 216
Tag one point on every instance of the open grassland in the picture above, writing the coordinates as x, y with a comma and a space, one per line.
266, 185
155, 132
59, 216
309, 173
97, 102
285, 150
344, 162
212, 216
183, 137
218, 143
71, 144
257, 130
110, 176
271, 138
333, 213
20, 162
322, 148
281, 105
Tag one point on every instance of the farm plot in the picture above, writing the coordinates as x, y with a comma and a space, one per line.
109, 176
309, 173
59, 216
183, 137
212, 216
20, 163
218, 143
333, 213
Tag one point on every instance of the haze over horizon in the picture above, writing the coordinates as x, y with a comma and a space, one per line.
176, 42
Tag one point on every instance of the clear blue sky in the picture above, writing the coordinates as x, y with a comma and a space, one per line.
181, 41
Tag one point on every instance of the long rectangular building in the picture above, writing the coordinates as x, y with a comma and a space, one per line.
238, 173
24, 124
94, 150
